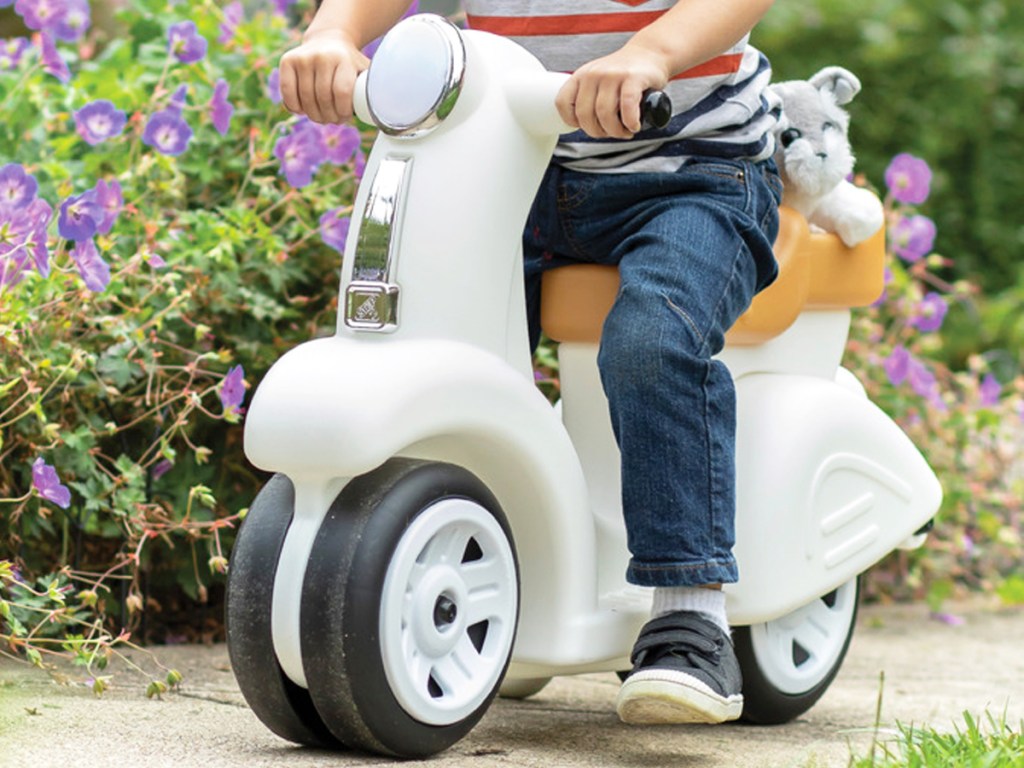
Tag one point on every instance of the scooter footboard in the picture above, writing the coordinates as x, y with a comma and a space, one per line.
827, 485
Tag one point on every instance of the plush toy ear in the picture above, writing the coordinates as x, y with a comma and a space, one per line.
841, 83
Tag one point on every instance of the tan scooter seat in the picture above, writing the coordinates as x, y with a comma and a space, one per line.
816, 271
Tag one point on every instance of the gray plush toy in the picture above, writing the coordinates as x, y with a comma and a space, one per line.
814, 157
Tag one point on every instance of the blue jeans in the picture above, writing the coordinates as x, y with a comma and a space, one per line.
693, 248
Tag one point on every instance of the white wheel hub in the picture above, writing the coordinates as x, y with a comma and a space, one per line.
448, 611
797, 651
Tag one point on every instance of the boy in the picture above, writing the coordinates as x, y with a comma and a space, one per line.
688, 213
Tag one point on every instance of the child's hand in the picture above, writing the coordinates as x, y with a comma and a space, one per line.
318, 77
603, 96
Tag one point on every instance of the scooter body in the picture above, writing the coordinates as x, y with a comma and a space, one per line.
431, 363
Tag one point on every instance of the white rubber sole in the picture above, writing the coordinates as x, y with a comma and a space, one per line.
667, 697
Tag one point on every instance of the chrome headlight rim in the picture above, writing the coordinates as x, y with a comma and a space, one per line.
449, 91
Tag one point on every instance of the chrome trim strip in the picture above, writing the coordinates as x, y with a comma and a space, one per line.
371, 299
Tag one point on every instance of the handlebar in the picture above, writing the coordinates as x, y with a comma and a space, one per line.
655, 109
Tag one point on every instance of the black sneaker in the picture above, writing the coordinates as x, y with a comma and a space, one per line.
684, 671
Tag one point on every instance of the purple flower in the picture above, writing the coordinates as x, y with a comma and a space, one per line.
161, 468
897, 365
17, 187
23, 240
341, 142
989, 391
179, 100
111, 201
913, 237
12, 50
74, 21
99, 120
185, 43
167, 132
232, 390
48, 485
948, 618
930, 313
233, 15
334, 229
908, 178
220, 108
52, 62
80, 217
40, 14
13, 263
360, 164
923, 382
300, 153
281, 6
94, 270
274, 86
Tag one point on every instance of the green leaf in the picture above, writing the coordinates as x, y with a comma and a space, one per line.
117, 369
1011, 591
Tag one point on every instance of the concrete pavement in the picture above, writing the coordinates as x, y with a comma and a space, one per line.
933, 672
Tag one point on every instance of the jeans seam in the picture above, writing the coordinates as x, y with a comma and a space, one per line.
679, 566
686, 318
712, 508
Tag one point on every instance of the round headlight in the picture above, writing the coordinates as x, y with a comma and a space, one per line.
415, 75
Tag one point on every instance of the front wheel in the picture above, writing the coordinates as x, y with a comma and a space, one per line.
409, 608
788, 663
284, 707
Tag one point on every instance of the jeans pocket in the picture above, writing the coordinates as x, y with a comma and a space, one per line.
573, 193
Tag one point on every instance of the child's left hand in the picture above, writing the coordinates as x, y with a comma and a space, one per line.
603, 96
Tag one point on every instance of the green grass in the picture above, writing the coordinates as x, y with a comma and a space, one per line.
975, 744
992, 744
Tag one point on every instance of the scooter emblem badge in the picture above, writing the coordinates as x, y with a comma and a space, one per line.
371, 306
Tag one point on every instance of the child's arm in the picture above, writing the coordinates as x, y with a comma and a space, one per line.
318, 77
603, 96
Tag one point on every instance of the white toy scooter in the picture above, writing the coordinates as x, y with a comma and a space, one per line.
436, 527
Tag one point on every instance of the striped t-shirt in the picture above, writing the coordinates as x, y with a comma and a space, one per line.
721, 107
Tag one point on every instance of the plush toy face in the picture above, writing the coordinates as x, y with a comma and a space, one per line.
812, 149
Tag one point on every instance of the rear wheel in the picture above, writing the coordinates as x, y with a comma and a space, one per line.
789, 663
409, 608
523, 687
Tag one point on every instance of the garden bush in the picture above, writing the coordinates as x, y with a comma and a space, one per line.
167, 231
945, 78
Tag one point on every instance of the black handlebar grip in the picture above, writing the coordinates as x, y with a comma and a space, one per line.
655, 109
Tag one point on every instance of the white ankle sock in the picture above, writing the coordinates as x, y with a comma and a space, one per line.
710, 602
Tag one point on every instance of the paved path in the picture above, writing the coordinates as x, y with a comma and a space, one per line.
933, 672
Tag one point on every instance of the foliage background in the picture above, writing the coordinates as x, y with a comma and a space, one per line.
943, 79
121, 390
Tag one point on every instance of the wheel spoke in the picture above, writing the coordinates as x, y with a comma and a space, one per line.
454, 671
820, 630
447, 546
486, 605
486, 574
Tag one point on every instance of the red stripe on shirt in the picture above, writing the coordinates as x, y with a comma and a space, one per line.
574, 24
725, 64
596, 23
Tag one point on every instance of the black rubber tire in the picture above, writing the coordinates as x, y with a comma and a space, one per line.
341, 602
763, 702
284, 707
